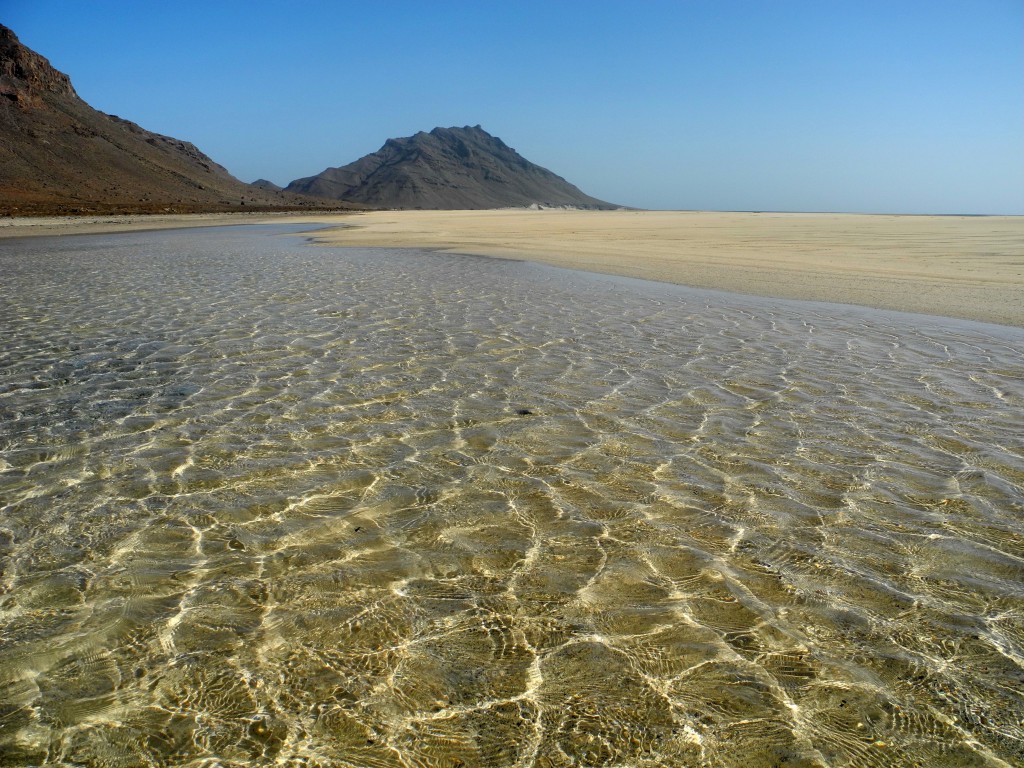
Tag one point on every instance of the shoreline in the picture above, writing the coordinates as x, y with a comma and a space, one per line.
58, 226
968, 268
965, 267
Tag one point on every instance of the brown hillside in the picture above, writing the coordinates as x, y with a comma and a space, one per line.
59, 155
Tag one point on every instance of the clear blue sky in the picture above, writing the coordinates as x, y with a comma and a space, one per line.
888, 106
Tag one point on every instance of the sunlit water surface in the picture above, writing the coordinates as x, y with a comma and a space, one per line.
265, 503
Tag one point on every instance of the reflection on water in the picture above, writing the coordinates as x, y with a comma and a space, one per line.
266, 503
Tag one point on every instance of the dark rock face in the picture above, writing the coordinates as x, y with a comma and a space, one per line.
448, 168
265, 184
59, 155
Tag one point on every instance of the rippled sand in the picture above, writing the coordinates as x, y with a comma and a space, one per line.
269, 504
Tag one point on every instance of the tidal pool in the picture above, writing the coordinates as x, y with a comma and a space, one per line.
266, 503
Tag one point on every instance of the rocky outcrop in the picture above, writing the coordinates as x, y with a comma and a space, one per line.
448, 168
59, 155
25, 75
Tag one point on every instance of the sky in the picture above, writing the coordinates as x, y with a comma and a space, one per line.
893, 106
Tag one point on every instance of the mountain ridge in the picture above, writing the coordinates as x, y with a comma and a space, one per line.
59, 155
447, 168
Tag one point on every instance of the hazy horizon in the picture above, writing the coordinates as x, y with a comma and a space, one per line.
871, 107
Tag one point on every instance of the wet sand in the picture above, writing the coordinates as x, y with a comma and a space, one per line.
969, 267
48, 226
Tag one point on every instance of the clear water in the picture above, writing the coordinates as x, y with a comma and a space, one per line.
264, 503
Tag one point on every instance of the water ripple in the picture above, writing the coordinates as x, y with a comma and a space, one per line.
271, 504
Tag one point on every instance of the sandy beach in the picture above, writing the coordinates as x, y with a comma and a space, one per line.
968, 267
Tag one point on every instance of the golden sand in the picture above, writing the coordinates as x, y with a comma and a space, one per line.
958, 266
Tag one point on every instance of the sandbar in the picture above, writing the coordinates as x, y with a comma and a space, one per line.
969, 267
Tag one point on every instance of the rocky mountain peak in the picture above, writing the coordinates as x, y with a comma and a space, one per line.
25, 75
447, 168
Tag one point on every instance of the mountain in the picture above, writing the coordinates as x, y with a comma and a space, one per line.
448, 168
59, 155
266, 184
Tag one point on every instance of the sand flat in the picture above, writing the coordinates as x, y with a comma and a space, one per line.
959, 266
968, 267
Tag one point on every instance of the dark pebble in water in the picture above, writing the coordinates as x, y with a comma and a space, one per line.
236, 544
258, 728
525, 412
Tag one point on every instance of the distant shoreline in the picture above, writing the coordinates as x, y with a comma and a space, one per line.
50, 226
968, 267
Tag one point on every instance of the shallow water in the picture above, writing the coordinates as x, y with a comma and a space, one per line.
265, 503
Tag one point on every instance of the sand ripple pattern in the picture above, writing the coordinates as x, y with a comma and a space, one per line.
263, 503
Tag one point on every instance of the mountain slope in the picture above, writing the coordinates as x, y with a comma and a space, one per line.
448, 168
58, 154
